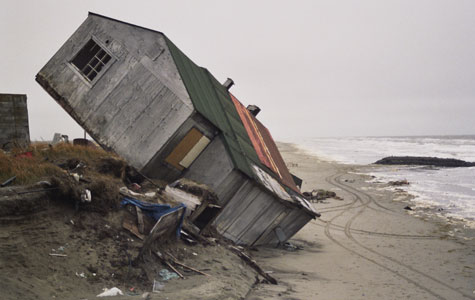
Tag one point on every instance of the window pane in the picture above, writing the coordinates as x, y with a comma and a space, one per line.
91, 59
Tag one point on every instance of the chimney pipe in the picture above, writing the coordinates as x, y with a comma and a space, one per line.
253, 109
228, 84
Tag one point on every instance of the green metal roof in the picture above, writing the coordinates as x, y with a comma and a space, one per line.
212, 100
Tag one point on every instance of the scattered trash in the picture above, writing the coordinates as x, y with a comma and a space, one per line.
398, 182
27, 154
76, 176
157, 286
408, 208
59, 255
319, 194
86, 196
167, 275
176, 262
252, 263
291, 247
135, 187
128, 192
110, 292
59, 138
8, 181
195, 254
179, 196
82, 275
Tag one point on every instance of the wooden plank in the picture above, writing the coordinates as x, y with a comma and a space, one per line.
130, 226
268, 237
259, 225
182, 149
164, 227
249, 217
194, 152
234, 207
140, 222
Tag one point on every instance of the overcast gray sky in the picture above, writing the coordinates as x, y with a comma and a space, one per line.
316, 68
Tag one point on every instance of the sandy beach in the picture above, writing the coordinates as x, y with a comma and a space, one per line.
367, 246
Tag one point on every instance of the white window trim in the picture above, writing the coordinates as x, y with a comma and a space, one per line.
104, 69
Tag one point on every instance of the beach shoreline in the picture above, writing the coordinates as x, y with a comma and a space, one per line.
367, 246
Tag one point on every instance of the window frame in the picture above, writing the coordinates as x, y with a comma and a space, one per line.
104, 69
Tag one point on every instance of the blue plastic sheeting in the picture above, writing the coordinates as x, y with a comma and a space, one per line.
155, 211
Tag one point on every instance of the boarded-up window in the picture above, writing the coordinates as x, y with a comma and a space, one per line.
188, 149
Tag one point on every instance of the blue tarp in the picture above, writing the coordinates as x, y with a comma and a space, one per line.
155, 211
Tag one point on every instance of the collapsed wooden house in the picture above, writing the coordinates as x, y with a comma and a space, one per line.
14, 129
140, 96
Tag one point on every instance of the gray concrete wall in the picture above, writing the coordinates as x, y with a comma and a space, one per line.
137, 104
14, 128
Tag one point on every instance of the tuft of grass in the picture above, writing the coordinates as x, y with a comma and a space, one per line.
41, 164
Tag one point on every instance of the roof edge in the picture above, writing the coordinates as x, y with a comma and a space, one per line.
123, 22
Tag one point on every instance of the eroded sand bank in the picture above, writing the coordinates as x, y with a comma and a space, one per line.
367, 246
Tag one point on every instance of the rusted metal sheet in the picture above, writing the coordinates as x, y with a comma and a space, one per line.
264, 145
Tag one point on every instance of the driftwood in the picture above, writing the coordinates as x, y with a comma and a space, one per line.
57, 254
165, 261
131, 227
175, 261
252, 263
192, 230
164, 227
140, 220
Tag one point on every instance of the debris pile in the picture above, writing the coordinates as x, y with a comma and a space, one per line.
398, 182
97, 219
317, 195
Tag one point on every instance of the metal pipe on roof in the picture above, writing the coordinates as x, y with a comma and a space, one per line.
228, 83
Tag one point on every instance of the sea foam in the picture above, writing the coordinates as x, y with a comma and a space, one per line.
452, 190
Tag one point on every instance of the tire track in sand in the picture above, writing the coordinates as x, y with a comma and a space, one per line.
421, 280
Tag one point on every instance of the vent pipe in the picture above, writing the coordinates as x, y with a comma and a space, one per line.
253, 109
228, 84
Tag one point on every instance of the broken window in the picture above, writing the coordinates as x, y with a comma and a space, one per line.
91, 59
188, 149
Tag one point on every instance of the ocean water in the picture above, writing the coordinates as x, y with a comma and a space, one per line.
450, 189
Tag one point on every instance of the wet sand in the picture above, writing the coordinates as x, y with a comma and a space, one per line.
367, 246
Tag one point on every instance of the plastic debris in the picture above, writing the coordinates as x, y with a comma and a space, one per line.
76, 176
167, 275
157, 286
8, 181
82, 275
110, 292
86, 196
135, 187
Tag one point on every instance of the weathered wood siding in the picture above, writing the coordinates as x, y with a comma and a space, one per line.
249, 214
138, 102
159, 168
289, 222
14, 129
215, 168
